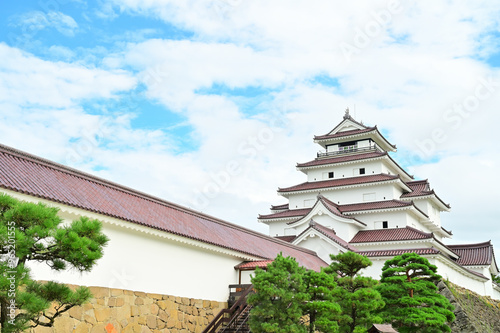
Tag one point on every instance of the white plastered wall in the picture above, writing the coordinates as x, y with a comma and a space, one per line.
144, 259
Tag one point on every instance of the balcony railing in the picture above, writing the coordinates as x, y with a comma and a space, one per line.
353, 150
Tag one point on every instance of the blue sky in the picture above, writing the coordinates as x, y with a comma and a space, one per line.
164, 96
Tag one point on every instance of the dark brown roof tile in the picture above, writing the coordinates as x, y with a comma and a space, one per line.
339, 182
388, 235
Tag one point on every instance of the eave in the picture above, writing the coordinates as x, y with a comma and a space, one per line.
323, 185
373, 134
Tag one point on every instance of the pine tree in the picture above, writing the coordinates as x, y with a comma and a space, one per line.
355, 294
321, 308
278, 298
410, 294
34, 232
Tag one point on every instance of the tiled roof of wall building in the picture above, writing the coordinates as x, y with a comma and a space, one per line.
339, 182
251, 265
31, 175
388, 235
474, 254
288, 239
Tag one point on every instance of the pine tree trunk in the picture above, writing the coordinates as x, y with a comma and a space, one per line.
3, 315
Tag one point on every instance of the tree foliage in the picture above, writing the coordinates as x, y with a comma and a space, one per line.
321, 308
278, 299
34, 232
410, 294
355, 294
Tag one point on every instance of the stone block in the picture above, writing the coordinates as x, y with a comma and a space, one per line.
160, 324
134, 309
116, 292
132, 328
90, 318
99, 292
123, 312
102, 314
162, 315
155, 296
139, 301
76, 312
154, 309
64, 324
162, 304
151, 321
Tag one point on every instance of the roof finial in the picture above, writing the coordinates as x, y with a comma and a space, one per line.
347, 115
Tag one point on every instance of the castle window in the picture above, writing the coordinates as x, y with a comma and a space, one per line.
385, 224
330, 174
362, 171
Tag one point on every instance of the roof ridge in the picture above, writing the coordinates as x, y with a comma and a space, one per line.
89, 177
473, 245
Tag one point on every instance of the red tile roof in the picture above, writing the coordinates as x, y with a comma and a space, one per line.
344, 133
288, 239
41, 178
398, 252
421, 188
341, 159
352, 133
388, 235
250, 265
280, 207
287, 213
339, 210
339, 182
330, 233
336, 209
474, 254
374, 205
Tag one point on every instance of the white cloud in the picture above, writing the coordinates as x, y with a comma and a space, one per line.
28, 80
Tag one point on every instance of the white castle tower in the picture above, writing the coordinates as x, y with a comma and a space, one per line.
358, 198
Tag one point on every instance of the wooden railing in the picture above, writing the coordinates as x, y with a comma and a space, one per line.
349, 151
229, 317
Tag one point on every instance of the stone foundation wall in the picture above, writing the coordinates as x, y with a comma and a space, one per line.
125, 311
